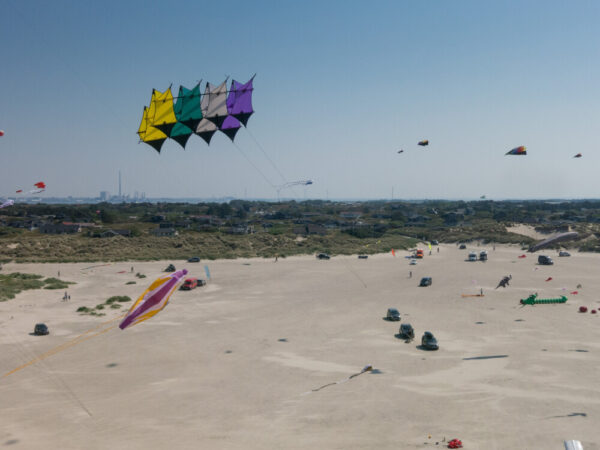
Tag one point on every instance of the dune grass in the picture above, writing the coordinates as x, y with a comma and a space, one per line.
13, 283
113, 302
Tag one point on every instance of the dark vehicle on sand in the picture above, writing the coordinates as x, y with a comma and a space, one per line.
170, 268
545, 260
425, 281
363, 256
392, 315
323, 256
462, 246
429, 342
40, 329
406, 331
194, 259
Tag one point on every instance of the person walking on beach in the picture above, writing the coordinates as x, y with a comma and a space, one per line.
410, 274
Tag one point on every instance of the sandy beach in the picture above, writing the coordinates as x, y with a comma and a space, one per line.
233, 365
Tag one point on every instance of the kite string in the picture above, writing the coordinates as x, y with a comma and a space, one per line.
253, 165
269, 159
76, 340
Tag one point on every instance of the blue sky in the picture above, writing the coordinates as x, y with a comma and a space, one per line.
340, 87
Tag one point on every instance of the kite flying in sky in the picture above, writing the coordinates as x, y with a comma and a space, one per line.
40, 186
522, 150
195, 113
578, 155
154, 299
1, 133
400, 151
424, 143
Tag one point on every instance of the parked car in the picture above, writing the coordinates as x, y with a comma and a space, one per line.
462, 246
363, 256
194, 259
425, 281
413, 262
392, 315
406, 331
40, 329
170, 268
545, 260
429, 342
189, 284
564, 254
434, 242
483, 255
201, 282
323, 256
472, 256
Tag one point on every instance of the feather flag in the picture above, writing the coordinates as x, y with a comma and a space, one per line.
154, 299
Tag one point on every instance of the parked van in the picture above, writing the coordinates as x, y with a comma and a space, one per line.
472, 256
483, 255
545, 260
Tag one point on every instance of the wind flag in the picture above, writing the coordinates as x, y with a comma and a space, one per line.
154, 299
393, 253
207, 272
429, 244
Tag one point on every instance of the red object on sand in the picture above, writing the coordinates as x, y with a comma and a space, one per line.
582, 309
523, 256
455, 443
593, 311
574, 293
122, 271
549, 279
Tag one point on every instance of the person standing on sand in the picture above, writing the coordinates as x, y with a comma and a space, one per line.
410, 274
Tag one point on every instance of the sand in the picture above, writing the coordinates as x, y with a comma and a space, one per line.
232, 365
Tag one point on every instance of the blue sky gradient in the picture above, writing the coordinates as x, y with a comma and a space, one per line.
340, 87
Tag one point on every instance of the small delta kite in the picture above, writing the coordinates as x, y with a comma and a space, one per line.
521, 150
424, 143
578, 155
154, 299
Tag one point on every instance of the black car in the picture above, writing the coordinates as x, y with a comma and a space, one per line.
363, 256
406, 331
40, 329
201, 282
545, 260
194, 259
429, 342
170, 268
323, 256
392, 315
462, 246
425, 281
434, 242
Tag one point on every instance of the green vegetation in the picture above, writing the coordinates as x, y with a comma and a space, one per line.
55, 283
240, 228
13, 283
113, 302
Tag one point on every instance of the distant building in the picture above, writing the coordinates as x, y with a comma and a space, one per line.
350, 214
59, 228
104, 196
161, 232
